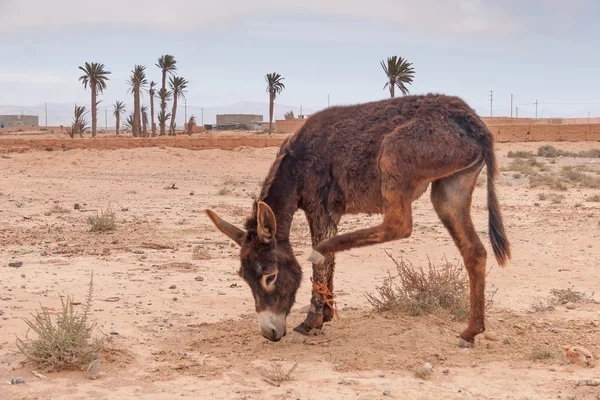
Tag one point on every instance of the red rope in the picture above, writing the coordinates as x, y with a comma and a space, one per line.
328, 297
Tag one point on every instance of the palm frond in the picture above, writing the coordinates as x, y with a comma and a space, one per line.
95, 75
178, 86
399, 72
274, 83
167, 63
119, 108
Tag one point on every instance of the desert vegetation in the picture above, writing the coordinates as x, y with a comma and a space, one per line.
181, 320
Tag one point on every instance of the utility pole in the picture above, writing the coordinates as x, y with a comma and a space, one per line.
491, 101
46, 108
517, 112
300, 110
202, 116
536, 108
185, 110
511, 105
105, 119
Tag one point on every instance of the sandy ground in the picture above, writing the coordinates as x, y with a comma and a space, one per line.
200, 339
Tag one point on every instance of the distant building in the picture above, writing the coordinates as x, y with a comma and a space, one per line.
241, 119
14, 121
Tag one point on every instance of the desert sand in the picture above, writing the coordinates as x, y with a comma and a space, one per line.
183, 337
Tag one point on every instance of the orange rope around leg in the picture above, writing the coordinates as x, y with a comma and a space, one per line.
328, 297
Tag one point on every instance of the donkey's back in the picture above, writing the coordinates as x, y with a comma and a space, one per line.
342, 146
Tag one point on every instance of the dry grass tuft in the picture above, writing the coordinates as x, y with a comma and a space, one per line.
552, 152
526, 166
560, 297
541, 354
66, 344
550, 181
554, 198
418, 292
593, 198
520, 154
225, 192
275, 373
579, 177
105, 221
564, 296
422, 373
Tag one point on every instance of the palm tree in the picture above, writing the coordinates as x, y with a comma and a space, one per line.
129, 122
163, 115
119, 109
137, 81
167, 65
144, 120
399, 73
190, 125
177, 84
79, 122
274, 87
95, 76
152, 92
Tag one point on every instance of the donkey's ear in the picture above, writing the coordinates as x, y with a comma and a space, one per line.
231, 231
267, 226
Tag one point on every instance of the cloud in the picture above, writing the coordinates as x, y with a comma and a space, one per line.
453, 17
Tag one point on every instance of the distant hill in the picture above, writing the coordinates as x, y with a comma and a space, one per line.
62, 113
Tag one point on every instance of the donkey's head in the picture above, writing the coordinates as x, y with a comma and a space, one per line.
269, 268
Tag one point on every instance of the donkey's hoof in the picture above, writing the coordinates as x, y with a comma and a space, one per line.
316, 257
306, 331
466, 344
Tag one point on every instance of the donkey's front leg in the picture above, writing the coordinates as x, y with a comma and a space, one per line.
319, 312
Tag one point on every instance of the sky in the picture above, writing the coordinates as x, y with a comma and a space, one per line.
544, 50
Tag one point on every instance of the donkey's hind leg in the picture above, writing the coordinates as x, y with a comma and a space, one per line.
451, 198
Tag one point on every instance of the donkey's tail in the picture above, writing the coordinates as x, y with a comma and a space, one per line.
500, 243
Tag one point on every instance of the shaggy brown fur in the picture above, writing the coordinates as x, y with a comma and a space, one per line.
370, 158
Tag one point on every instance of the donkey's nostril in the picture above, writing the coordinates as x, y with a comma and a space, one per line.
273, 334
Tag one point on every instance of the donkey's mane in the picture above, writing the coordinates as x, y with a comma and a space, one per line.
281, 154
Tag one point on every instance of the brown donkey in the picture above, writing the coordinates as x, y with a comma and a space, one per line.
377, 157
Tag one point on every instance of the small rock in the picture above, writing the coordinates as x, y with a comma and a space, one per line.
1, 313
16, 381
161, 289
191, 193
221, 293
381, 375
387, 393
427, 366
446, 371
124, 209
76, 206
570, 306
556, 330
15, 264
93, 369
174, 298
115, 333
489, 335
173, 287
199, 278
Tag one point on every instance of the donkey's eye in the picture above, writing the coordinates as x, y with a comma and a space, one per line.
270, 279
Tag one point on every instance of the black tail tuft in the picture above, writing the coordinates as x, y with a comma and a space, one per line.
500, 243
